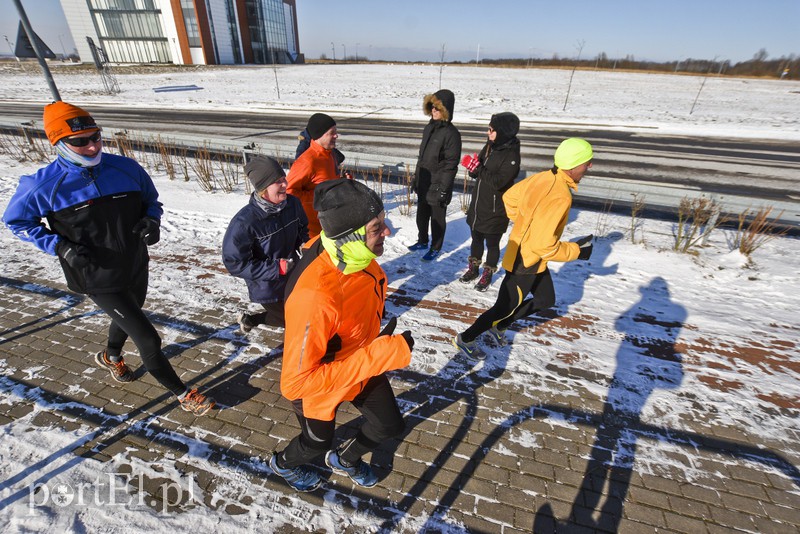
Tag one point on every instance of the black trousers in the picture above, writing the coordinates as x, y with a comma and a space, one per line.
128, 319
492, 247
436, 216
273, 315
511, 303
383, 421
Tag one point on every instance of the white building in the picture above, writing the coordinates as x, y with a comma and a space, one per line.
185, 32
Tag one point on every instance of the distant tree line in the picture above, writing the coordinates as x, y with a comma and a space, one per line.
760, 65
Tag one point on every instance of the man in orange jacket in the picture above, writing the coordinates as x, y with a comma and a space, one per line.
334, 348
539, 207
314, 166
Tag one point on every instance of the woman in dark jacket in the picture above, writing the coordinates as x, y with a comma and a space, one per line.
436, 171
262, 240
494, 170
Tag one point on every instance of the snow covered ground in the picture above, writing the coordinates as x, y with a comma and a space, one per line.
732, 320
732, 107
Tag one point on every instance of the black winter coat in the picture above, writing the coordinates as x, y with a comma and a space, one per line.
439, 153
499, 167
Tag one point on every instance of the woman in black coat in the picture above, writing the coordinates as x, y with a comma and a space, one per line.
494, 170
436, 171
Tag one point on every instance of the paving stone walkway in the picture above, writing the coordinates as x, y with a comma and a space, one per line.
477, 451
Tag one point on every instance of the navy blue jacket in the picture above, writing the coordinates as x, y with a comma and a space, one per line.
96, 207
256, 240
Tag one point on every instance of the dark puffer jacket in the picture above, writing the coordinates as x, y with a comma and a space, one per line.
255, 242
499, 167
439, 152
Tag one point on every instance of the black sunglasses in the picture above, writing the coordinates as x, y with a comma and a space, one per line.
83, 141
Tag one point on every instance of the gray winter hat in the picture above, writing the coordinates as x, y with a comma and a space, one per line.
262, 172
344, 206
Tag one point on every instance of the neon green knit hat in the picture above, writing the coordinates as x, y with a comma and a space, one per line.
572, 152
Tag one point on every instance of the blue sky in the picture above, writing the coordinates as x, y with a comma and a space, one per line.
660, 30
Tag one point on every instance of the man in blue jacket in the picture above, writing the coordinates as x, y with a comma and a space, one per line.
262, 241
102, 213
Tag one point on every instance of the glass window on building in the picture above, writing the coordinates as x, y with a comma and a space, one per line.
190, 20
267, 31
130, 31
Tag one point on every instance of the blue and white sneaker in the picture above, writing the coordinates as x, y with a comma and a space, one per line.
361, 473
418, 246
300, 478
431, 254
470, 349
499, 336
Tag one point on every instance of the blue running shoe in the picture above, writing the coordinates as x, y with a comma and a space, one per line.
300, 478
470, 349
361, 473
499, 336
418, 246
431, 254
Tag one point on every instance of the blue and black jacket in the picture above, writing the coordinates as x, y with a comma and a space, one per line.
255, 242
93, 206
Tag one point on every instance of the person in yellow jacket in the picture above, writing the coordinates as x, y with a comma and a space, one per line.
539, 208
314, 166
334, 348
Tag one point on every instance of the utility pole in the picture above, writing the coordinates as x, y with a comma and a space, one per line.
26, 24
344, 51
333, 49
11, 48
478, 55
357, 51
63, 50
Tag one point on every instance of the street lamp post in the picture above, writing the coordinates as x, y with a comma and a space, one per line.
357, 51
344, 52
333, 49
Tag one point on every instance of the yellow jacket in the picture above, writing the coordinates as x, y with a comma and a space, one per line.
539, 208
332, 346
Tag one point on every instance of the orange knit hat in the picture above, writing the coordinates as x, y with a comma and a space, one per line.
62, 120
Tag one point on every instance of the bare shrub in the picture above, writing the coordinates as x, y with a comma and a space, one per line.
167, 152
407, 202
203, 167
750, 236
230, 170
601, 225
695, 221
637, 208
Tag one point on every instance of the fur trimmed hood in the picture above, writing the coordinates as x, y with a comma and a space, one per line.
444, 100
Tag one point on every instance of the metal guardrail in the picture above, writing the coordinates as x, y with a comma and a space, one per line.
596, 192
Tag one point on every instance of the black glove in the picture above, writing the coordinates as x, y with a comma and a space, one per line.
76, 255
585, 244
413, 185
409, 340
388, 330
443, 200
149, 230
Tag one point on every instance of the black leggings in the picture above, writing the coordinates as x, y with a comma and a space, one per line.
437, 217
383, 421
492, 247
511, 303
273, 315
128, 319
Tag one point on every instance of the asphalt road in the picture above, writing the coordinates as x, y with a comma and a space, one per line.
748, 170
